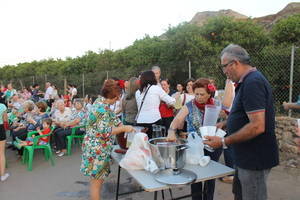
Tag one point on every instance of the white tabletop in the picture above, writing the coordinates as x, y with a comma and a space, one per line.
146, 179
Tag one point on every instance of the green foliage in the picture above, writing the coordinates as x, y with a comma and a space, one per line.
172, 51
287, 30
221, 31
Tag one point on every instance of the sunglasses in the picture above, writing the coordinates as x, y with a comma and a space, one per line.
225, 65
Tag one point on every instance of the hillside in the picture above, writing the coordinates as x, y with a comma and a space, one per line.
267, 21
202, 17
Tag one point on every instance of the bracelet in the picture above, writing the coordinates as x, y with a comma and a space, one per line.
223, 143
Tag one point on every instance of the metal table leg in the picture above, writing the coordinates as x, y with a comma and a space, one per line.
155, 195
171, 194
163, 195
118, 183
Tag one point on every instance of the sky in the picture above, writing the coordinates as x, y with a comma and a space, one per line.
42, 29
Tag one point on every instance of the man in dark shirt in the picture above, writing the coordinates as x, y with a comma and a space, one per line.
250, 126
35, 93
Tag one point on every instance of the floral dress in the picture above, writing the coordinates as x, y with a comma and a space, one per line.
98, 141
82, 115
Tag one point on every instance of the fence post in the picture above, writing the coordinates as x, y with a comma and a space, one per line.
106, 75
291, 77
33, 80
83, 92
45, 78
65, 86
190, 70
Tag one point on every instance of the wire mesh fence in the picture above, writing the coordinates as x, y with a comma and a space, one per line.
274, 63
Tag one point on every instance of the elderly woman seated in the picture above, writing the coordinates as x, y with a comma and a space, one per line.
24, 125
40, 115
66, 119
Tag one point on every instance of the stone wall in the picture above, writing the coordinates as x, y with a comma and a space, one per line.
286, 133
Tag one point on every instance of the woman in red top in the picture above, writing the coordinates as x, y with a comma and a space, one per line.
166, 112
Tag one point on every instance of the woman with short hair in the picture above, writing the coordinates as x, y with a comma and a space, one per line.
102, 126
24, 126
78, 118
193, 113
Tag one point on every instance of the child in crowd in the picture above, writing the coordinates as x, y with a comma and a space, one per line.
42, 141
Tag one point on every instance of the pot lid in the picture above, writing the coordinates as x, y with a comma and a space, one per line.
178, 178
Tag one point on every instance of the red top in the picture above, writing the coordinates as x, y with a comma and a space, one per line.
45, 132
165, 111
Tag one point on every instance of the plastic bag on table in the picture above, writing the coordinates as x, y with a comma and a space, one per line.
195, 151
138, 156
130, 135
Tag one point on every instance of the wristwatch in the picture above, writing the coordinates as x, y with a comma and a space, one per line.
223, 143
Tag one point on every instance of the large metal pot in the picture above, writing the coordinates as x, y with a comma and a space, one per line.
168, 155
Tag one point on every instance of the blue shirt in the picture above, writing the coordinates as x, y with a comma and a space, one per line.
254, 94
2, 110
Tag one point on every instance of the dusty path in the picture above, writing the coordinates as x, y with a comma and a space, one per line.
64, 182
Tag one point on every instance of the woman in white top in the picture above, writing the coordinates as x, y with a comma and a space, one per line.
189, 93
148, 99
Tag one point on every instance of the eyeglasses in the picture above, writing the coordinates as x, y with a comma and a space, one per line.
225, 65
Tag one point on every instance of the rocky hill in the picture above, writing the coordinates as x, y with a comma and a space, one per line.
202, 17
267, 21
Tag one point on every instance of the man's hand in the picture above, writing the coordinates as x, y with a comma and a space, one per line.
213, 141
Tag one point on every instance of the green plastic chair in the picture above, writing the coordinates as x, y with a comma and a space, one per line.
28, 152
72, 137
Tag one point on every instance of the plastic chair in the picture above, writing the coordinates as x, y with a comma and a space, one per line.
70, 138
28, 152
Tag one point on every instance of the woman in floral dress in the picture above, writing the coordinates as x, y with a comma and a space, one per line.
97, 146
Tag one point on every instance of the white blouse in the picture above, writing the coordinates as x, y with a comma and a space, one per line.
150, 110
188, 97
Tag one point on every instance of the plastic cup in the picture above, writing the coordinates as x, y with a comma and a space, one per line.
212, 114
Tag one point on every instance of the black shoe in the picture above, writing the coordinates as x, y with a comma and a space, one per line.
10, 146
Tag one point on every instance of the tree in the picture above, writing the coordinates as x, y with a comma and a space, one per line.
287, 30
221, 31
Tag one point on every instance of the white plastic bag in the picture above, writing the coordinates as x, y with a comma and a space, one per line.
195, 151
130, 135
138, 156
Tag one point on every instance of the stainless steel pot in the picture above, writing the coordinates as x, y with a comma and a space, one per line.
168, 155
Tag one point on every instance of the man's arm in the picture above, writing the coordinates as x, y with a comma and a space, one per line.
255, 127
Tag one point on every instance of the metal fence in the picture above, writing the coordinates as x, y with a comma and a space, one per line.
275, 63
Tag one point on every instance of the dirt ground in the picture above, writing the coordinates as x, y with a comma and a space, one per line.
64, 182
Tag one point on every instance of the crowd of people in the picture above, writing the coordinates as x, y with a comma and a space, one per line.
247, 115
26, 110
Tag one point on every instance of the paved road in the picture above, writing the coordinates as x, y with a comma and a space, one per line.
64, 182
